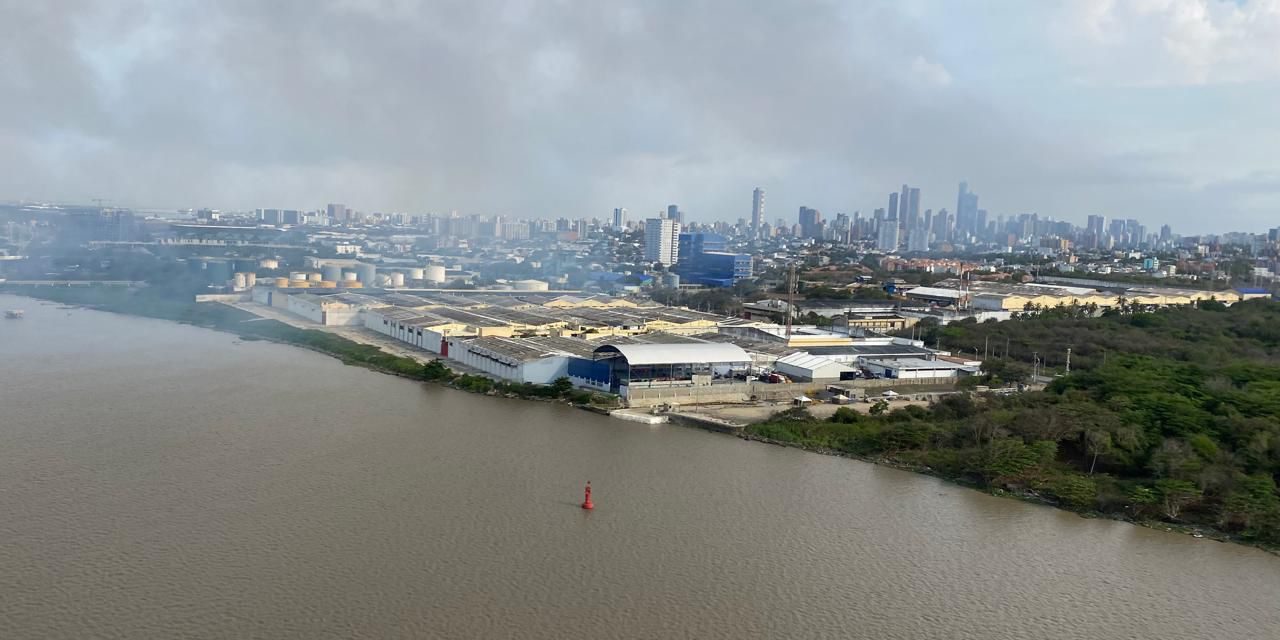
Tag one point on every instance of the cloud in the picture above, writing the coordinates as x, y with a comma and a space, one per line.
931, 73
570, 107
1172, 42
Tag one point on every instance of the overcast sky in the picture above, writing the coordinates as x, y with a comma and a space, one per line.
1163, 110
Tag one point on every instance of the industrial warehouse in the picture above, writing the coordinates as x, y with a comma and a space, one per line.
637, 350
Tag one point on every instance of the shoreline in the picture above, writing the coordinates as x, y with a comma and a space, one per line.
743, 433
1028, 497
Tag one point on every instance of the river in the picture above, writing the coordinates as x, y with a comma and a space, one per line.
165, 481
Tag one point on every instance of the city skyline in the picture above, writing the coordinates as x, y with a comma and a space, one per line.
1066, 110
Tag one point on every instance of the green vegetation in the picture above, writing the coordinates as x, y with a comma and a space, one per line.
1170, 415
162, 304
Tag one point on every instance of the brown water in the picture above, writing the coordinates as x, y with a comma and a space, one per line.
163, 481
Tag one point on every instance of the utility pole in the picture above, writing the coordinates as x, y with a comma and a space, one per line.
1006, 347
791, 298
985, 352
1068, 360
1035, 366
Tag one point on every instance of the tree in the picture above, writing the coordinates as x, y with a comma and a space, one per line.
1175, 495
562, 386
880, 407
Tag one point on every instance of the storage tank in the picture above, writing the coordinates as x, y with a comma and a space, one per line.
529, 285
239, 281
397, 279
297, 275
269, 263
251, 279
366, 273
353, 285
299, 284
282, 283
327, 284
218, 271
332, 272
314, 277
417, 274
349, 276
433, 273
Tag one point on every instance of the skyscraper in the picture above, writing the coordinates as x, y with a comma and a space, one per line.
966, 211
887, 239
661, 240
810, 221
757, 211
893, 205
674, 213
620, 218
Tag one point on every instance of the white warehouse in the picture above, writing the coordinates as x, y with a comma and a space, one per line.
805, 367
918, 368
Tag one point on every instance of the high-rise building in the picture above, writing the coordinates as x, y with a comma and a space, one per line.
918, 239
757, 211
966, 211
674, 213
337, 212
661, 240
620, 218
810, 223
893, 205
887, 240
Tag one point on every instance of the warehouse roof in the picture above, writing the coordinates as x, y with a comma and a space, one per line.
809, 362
645, 354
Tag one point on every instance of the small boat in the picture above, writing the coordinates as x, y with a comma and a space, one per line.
13, 314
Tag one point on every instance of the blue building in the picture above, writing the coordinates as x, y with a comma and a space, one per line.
705, 261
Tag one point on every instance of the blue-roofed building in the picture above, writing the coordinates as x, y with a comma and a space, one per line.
705, 261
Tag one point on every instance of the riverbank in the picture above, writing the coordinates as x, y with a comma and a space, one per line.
1047, 491
247, 326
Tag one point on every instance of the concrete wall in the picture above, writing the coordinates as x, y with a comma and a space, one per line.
745, 391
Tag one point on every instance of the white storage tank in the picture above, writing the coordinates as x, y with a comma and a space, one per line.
251, 279
417, 274
366, 273
529, 285
314, 277
269, 263
349, 276
331, 272
397, 279
297, 275
434, 273
239, 281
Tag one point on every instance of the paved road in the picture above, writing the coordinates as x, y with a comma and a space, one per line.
354, 334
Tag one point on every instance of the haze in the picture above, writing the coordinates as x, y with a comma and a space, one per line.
1158, 109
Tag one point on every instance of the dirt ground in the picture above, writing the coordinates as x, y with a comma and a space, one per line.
748, 413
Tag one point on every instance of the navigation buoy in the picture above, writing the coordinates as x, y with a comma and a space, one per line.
586, 503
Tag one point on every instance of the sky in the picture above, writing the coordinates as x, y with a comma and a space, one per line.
1160, 110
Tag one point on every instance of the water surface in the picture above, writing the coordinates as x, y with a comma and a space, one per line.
165, 481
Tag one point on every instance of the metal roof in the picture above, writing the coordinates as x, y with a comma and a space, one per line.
809, 362
645, 354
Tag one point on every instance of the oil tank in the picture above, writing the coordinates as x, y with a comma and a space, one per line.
282, 283
434, 273
366, 273
331, 272
269, 263
327, 284
251, 279
218, 271
349, 276
353, 285
297, 275
239, 281
417, 274
299, 284
314, 277
529, 285
397, 279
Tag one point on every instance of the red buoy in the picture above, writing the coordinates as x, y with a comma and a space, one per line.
586, 504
